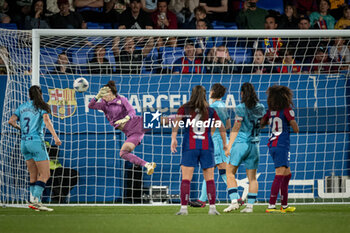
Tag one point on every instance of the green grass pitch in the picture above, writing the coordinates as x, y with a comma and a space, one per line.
162, 219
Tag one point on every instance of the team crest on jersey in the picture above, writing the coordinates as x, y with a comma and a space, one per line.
63, 103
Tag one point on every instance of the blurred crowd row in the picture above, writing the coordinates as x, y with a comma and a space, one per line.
173, 14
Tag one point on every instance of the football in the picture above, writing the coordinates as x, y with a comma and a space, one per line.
81, 84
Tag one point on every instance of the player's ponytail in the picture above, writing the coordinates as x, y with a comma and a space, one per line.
249, 97
35, 94
198, 101
111, 85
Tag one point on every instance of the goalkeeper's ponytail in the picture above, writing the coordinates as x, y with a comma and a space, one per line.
35, 94
111, 85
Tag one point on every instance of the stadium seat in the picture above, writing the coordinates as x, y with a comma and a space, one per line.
91, 25
276, 5
240, 55
170, 55
148, 66
12, 26
48, 58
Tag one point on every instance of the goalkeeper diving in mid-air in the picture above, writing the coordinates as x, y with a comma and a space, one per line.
121, 115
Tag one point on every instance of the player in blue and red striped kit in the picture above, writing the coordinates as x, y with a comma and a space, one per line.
200, 121
280, 116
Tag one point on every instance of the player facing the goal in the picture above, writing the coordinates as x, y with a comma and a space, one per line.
33, 115
244, 147
280, 116
200, 121
121, 115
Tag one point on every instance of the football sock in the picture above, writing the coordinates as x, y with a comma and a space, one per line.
222, 173
31, 188
271, 206
251, 199
132, 158
284, 189
276, 185
38, 189
211, 191
233, 193
204, 197
185, 192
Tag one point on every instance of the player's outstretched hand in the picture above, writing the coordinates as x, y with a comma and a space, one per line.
57, 141
103, 92
173, 145
122, 121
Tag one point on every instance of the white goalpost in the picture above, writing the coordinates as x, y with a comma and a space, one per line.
145, 66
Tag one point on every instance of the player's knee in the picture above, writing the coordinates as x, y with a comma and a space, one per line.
123, 153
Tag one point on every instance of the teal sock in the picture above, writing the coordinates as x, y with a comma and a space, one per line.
252, 198
204, 196
38, 189
31, 188
233, 193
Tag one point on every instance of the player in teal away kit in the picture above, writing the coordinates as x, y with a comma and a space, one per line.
244, 146
32, 116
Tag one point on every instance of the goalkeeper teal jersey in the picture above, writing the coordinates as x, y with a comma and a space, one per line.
31, 120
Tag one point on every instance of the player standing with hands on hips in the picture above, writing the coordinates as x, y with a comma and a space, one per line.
244, 147
280, 116
197, 145
121, 115
32, 116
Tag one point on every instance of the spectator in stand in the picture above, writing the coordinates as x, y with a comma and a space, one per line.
22, 11
339, 53
66, 19
184, 10
321, 61
128, 59
251, 16
52, 7
210, 61
37, 18
63, 65
216, 10
305, 7
289, 19
224, 62
272, 45
4, 8
163, 18
99, 64
322, 19
337, 7
109, 15
260, 64
344, 22
202, 44
149, 6
89, 9
199, 14
289, 64
189, 64
134, 17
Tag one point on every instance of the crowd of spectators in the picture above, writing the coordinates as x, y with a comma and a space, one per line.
200, 55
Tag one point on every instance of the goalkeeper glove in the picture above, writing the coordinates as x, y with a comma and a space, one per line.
122, 121
103, 92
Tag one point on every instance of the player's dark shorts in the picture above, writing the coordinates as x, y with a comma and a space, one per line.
190, 158
280, 156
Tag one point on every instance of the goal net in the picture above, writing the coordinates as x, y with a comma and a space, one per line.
156, 70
